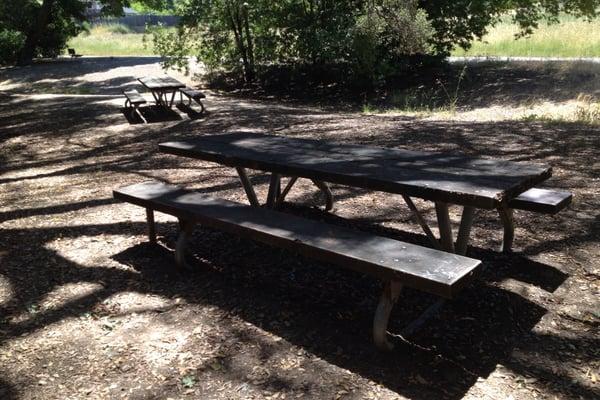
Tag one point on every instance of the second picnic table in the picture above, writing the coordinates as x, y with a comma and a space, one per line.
161, 87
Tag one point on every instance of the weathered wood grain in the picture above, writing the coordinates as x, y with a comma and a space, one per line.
453, 179
433, 271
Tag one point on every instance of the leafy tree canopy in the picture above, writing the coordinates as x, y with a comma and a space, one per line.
458, 22
32, 28
371, 35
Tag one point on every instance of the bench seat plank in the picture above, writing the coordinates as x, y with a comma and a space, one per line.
433, 271
541, 200
192, 93
134, 96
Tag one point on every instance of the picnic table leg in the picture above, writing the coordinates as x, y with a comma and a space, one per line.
172, 99
248, 187
390, 294
156, 97
445, 227
185, 232
422, 222
285, 191
151, 226
274, 186
508, 222
462, 238
324, 187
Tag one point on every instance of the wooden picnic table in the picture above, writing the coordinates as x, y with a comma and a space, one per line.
161, 87
444, 178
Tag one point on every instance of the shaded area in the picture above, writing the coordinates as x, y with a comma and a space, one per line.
473, 334
70, 260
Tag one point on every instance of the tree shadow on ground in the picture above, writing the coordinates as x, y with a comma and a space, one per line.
310, 305
317, 307
151, 113
468, 85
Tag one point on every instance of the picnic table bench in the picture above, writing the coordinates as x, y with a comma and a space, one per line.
397, 263
73, 53
133, 100
192, 94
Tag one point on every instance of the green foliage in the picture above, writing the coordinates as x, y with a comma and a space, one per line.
389, 30
458, 22
11, 43
373, 36
174, 45
43, 27
233, 35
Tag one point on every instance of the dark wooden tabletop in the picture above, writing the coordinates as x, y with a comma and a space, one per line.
161, 83
447, 177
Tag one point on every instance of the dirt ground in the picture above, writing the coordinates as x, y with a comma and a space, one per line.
89, 309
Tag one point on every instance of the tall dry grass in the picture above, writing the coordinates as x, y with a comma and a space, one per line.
569, 38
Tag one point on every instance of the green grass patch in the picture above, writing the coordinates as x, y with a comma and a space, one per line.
112, 40
569, 38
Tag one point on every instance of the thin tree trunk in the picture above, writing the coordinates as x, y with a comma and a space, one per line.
236, 26
36, 32
249, 45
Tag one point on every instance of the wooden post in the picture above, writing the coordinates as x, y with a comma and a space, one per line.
422, 222
285, 191
151, 226
250, 193
445, 227
185, 232
508, 222
390, 294
462, 238
274, 186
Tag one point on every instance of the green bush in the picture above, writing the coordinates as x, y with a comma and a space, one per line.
11, 43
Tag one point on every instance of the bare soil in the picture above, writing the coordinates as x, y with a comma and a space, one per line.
89, 309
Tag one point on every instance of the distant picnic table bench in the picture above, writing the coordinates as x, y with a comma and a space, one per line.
193, 94
133, 100
73, 53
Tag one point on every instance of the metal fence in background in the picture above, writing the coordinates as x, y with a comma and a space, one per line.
136, 21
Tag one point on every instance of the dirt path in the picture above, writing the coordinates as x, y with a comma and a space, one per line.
88, 309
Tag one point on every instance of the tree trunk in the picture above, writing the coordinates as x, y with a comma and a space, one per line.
249, 45
36, 32
236, 26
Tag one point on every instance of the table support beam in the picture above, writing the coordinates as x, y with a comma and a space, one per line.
391, 292
285, 191
464, 231
445, 227
417, 214
185, 233
508, 222
248, 188
151, 225
274, 187
324, 187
